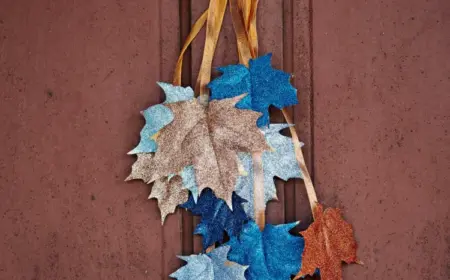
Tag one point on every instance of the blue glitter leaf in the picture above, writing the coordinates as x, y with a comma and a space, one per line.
280, 162
265, 86
189, 183
211, 266
158, 116
273, 254
176, 93
216, 216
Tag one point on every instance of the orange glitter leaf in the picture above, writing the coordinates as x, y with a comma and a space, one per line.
329, 241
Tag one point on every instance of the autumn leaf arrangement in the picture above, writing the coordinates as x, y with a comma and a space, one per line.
216, 154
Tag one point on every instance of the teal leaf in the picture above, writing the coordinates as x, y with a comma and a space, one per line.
273, 254
211, 266
188, 178
158, 116
280, 162
265, 86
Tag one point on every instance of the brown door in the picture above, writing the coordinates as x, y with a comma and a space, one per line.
373, 80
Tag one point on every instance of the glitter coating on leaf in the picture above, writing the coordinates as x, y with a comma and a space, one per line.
211, 266
208, 138
176, 93
244, 184
279, 162
170, 191
329, 241
158, 116
169, 194
265, 86
140, 170
216, 217
273, 254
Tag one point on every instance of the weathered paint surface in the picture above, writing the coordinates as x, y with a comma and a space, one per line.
374, 85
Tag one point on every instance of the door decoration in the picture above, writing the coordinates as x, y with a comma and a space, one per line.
215, 152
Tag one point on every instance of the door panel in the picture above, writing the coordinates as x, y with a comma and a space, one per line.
372, 80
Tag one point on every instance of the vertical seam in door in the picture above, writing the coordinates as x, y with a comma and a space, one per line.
311, 66
163, 240
288, 65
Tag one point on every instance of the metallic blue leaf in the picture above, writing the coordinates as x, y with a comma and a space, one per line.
265, 86
273, 254
280, 162
211, 266
216, 216
234, 81
158, 116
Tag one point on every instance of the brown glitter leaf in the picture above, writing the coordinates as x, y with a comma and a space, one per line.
170, 194
140, 168
329, 241
208, 138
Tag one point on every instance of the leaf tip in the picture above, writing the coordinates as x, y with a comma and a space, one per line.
129, 178
230, 204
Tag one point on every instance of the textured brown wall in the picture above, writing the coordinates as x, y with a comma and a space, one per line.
374, 85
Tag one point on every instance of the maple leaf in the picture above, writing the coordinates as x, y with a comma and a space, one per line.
141, 170
208, 138
273, 254
158, 116
279, 162
265, 86
169, 194
169, 191
216, 217
329, 241
211, 266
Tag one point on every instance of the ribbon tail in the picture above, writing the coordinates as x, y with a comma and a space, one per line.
198, 25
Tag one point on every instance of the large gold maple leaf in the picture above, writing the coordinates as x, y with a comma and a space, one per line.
208, 138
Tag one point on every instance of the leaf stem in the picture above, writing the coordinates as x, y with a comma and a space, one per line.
210, 248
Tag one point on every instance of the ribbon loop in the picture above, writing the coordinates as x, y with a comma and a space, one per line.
198, 25
238, 17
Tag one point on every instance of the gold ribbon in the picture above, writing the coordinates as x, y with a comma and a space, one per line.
249, 9
243, 14
244, 22
310, 191
259, 203
194, 32
243, 44
216, 13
